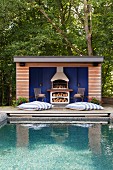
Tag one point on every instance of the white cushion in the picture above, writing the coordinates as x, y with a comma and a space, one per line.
84, 106
75, 106
36, 105
44, 105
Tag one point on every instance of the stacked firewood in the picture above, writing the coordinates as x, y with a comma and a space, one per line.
59, 100
60, 94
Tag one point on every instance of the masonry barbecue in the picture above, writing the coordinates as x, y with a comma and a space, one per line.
59, 93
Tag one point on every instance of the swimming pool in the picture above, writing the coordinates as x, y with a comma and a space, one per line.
56, 147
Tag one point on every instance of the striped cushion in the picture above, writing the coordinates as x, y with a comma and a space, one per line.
84, 106
36, 105
44, 105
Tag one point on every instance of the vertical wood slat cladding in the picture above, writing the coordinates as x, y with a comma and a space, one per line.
94, 77
22, 81
94, 82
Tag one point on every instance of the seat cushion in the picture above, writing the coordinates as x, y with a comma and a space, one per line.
36, 105
41, 95
77, 95
84, 106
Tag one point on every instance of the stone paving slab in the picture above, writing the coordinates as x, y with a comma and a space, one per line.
10, 109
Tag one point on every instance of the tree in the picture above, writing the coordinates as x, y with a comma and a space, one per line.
50, 27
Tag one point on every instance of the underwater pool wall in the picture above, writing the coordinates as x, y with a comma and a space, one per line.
3, 119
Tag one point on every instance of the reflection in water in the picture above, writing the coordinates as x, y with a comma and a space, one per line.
43, 151
22, 134
95, 138
59, 132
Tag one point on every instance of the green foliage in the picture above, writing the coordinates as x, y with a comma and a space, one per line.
95, 100
21, 100
107, 79
24, 30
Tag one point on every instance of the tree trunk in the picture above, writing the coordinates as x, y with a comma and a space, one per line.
88, 26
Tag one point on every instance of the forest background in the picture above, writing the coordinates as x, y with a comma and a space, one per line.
54, 28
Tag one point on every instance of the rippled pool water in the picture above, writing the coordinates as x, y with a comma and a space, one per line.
56, 147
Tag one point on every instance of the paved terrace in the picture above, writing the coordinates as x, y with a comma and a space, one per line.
57, 114
9, 109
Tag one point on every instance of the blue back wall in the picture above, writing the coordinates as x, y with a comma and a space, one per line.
78, 77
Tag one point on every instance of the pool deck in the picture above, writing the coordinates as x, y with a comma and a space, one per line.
61, 110
58, 114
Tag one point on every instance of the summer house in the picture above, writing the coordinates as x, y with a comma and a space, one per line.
58, 76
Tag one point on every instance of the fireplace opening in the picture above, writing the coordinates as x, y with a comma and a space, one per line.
59, 84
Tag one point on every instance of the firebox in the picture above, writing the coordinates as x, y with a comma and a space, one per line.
59, 92
59, 84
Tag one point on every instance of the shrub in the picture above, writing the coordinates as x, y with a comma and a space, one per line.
21, 100
94, 100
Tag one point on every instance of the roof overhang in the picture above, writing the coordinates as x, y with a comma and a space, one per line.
59, 59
